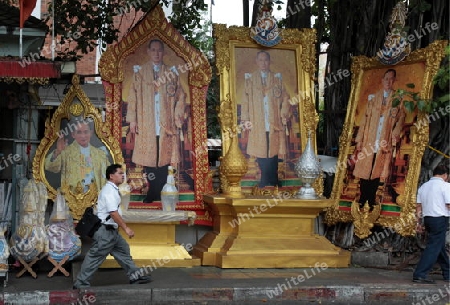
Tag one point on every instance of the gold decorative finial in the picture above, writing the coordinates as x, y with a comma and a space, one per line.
233, 166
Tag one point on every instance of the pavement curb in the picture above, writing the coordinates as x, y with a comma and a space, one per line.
320, 295
40, 297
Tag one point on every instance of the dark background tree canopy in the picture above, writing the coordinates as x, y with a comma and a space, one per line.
351, 27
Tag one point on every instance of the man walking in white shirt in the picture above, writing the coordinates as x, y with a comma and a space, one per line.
107, 239
433, 204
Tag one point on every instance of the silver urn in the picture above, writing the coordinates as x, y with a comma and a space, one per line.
308, 169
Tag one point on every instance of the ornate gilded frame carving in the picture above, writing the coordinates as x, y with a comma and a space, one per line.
419, 68
74, 107
294, 58
116, 79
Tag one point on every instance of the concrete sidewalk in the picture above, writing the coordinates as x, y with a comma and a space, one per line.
211, 285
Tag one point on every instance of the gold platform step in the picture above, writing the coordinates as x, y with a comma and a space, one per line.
261, 232
154, 246
155, 257
300, 252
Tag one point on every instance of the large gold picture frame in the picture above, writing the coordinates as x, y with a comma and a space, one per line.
397, 193
74, 109
118, 66
293, 63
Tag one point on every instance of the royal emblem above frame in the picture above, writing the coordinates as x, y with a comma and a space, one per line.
268, 94
156, 84
394, 162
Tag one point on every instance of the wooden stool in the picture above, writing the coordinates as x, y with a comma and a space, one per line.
58, 266
27, 266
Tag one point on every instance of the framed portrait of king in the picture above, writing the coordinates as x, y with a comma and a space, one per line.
77, 147
271, 94
383, 140
158, 85
156, 118
78, 155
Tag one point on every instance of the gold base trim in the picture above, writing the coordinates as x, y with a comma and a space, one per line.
299, 252
267, 232
154, 246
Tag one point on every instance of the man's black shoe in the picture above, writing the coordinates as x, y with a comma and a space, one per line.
141, 280
423, 281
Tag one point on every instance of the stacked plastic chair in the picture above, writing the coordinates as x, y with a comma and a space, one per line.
29, 242
4, 254
64, 244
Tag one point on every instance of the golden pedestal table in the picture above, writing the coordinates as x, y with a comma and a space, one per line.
267, 232
153, 244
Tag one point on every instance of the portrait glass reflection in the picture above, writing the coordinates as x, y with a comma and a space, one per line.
78, 155
381, 143
157, 131
266, 83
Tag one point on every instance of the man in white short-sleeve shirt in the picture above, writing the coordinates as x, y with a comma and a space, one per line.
107, 239
433, 204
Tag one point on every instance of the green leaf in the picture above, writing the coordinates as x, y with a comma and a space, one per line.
434, 105
411, 85
395, 102
409, 106
421, 105
445, 98
401, 92
424, 6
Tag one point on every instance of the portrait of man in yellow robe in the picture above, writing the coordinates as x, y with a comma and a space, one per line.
378, 134
78, 161
265, 112
156, 114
